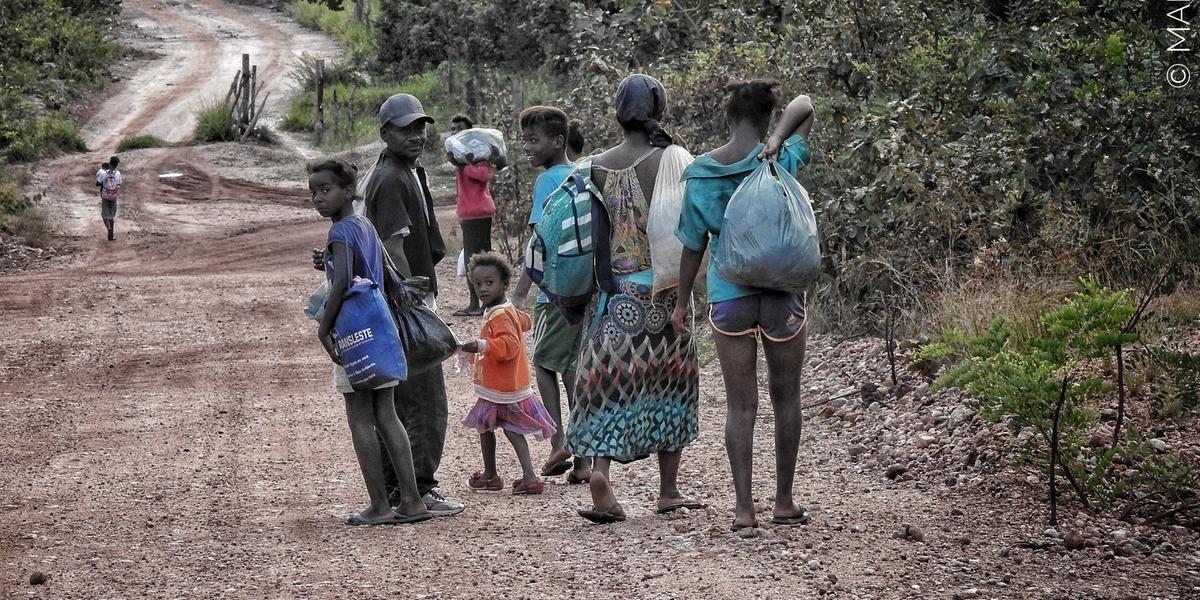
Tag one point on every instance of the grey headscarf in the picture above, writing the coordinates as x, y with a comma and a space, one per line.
640, 103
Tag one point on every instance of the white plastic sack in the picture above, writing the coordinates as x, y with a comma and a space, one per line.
462, 263
769, 235
478, 143
665, 207
315, 307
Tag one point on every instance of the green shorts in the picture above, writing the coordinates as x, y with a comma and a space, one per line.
555, 341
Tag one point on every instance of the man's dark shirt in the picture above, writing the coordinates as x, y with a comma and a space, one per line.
395, 199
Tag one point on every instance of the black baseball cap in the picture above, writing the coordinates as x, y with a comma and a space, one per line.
401, 110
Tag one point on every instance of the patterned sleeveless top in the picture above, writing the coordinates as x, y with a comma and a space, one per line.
629, 212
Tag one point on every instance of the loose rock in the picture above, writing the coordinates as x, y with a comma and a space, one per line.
37, 578
895, 471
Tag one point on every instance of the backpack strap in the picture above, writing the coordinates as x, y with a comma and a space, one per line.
643, 157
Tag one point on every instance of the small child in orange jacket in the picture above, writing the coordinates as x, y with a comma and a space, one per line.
505, 398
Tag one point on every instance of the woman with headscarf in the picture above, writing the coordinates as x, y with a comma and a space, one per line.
637, 388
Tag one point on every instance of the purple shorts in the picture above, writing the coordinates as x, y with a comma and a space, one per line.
778, 316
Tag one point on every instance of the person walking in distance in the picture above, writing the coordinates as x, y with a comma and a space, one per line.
109, 180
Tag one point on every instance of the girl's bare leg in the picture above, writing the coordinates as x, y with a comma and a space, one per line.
395, 439
360, 413
739, 369
522, 447
784, 362
487, 447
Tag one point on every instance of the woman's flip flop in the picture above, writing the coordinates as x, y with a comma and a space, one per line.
556, 469
602, 516
799, 518
394, 518
687, 503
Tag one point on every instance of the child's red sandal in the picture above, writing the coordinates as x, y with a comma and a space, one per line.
521, 488
478, 483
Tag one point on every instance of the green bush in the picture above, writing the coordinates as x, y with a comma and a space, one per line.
141, 141
41, 137
1038, 379
12, 197
356, 38
29, 225
214, 123
54, 51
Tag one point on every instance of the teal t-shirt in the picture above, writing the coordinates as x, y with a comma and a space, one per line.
710, 184
545, 185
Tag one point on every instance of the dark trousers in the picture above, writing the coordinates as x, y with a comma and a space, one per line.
477, 237
421, 405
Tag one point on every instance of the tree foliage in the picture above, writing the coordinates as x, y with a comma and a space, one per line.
1040, 134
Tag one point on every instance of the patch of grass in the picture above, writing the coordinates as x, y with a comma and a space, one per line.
357, 39
12, 198
29, 224
138, 142
214, 123
42, 137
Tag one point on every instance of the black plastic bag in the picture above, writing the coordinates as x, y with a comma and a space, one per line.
426, 338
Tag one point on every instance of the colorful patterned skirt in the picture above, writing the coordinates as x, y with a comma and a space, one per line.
638, 386
527, 417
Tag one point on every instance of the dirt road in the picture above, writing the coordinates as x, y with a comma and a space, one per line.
168, 428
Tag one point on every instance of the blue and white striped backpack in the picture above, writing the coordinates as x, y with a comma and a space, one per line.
561, 257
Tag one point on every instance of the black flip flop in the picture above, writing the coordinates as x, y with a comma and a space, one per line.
687, 503
736, 528
408, 519
799, 518
603, 517
359, 520
557, 468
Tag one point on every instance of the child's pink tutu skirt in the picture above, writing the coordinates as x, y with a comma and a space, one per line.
527, 417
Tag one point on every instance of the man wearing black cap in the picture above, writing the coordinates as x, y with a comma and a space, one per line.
397, 201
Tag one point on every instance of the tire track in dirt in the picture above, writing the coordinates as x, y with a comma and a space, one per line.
200, 48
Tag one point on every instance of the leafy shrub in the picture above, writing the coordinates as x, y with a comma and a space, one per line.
1178, 389
12, 198
1040, 379
29, 225
41, 137
53, 51
356, 37
141, 141
214, 123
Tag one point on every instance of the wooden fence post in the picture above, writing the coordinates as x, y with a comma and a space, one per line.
253, 88
319, 120
244, 97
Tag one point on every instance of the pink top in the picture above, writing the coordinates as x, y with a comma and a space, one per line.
474, 198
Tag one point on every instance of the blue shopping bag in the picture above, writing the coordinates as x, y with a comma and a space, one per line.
769, 234
366, 338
